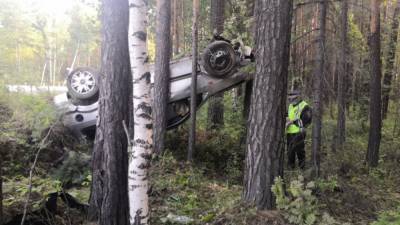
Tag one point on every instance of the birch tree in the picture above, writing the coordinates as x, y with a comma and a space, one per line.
141, 149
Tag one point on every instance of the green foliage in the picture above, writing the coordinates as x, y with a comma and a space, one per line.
181, 190
15, 190
328, 184
74, 170
391, 217
219, 151
300, 207
31, 113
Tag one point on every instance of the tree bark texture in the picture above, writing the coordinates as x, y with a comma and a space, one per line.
341, 89
161, 73
375, 86
390, 60
142, 142
247, 99
193, 93
109, 197
318, 77
216, 102
265, 136
176, 22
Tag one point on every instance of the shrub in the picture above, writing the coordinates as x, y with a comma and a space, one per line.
300, 207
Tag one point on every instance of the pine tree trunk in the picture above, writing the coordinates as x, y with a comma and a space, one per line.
161, 73
247, 99
142, 143
268, 102
318, 76
216, 102
193, 94
109, 197
341, 90
375, 86
177, 12
390, 60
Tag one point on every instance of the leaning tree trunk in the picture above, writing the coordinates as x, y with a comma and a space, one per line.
342, 75
390, 58
109, 197
216, 102
268, 101
318, 75
161, 73
375, 118
193, 92
141, 149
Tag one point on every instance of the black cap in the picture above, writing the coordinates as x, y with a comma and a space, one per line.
294, 93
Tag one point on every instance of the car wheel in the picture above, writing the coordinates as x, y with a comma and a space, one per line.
83, 83
219, 59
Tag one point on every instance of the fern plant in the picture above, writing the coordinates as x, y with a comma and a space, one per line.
300, 206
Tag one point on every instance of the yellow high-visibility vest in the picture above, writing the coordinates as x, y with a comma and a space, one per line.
294, 113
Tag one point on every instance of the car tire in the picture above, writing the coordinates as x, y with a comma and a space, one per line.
219, 59
83, 84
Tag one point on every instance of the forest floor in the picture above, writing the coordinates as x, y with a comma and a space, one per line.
207, 191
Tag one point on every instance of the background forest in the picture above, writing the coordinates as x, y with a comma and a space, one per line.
41, 39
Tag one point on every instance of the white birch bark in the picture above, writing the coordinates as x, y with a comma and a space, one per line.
140, 154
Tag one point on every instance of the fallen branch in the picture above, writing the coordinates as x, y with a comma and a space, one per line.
41, 146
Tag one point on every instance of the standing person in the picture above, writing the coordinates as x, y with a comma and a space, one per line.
299, 117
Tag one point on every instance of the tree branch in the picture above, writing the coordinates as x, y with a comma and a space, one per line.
41, 146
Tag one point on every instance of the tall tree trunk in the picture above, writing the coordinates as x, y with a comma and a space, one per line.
318, 76
109, 197
216, 103
268, 101
193, 93
249, 84
177, 12
375, 109
294, 45
341, 90
161, 73
390, 58
142, 142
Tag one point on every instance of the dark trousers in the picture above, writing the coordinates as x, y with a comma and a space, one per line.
295, 146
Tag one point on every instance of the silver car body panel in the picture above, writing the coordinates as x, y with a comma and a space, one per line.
80, 117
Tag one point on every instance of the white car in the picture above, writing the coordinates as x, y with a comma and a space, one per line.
218, 72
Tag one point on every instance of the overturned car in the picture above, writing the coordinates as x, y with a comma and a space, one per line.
217, 72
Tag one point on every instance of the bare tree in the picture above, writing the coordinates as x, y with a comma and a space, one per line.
341, 89
177, 4
109, 197
319, 75
375, 109
193, 93
161, 72
268, 101
216, 103
390, 58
